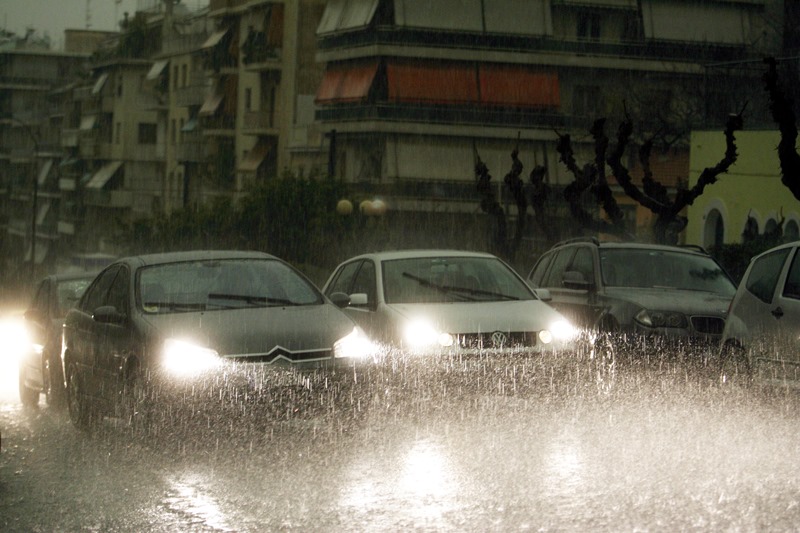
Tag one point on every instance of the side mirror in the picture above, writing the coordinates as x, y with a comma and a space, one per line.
573, 279
359, 298
108, 314
339, 299
543, 294
34, 315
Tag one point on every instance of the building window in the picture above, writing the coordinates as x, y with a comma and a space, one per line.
248, 99
118, 133
589, 26
184, 75
587, 101
147, 133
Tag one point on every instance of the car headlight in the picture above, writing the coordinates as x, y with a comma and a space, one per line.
661, 319
421, 333
184, 358
355, 345
560, 331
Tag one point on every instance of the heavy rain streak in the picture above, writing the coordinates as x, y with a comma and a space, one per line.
639, 438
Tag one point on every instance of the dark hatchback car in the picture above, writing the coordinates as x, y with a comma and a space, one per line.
674, 292
178, 320
40, 367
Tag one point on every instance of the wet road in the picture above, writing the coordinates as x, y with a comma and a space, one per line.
654, 444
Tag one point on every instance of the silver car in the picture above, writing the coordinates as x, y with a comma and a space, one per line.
763, 326
437, 300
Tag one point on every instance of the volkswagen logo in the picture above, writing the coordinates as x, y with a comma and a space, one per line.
499, 339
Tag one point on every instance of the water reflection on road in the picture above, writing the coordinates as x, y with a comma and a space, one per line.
526, 445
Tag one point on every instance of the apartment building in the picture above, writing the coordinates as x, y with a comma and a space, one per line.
413, 90
34, 84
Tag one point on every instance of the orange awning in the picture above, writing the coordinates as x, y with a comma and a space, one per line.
517, 86
434, 82
346, 83
254, 157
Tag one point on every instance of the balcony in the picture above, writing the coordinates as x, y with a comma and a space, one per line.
113, 199
259, 123
390, 36
191, 151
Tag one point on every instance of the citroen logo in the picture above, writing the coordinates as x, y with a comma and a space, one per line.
499, 339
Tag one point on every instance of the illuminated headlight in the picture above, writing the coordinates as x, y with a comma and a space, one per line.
15, 337
355, 345
421, 333
184, 358
560, 331
661, 319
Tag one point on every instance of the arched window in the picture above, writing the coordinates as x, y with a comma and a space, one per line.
750, 232
790, 231
714, 230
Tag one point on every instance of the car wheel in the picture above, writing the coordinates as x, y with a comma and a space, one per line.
734, 366
29, 397
54, 392
81, 411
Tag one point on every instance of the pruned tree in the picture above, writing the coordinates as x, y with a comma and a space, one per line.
653, 195
534, 194
591, 179
782, 109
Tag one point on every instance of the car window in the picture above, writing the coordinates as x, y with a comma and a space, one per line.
343, 281
40, 300
364, 281
655, 268
791, 289
96, 294
68, 293
764, 274
221, 284
556, 274
451, 279
582, 262
539, 270
118, 292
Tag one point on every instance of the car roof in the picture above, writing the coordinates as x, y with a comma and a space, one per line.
419, 254
193, 255
69, 276
689, 249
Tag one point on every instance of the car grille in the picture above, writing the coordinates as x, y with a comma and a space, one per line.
497, 339
711, 325
280, 353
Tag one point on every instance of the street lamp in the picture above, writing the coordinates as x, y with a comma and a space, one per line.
35, 141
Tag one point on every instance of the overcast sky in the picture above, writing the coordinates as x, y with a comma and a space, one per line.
52, 17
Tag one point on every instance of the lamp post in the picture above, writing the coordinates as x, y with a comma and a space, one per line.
35, 198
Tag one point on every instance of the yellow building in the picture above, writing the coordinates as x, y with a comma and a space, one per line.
748, 198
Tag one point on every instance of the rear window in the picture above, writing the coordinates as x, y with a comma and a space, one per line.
764, 274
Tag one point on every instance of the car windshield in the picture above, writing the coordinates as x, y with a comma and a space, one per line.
642, 268
221, 284
451, 279
69, 292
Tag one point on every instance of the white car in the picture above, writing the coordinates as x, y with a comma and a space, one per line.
763, 325
435, 300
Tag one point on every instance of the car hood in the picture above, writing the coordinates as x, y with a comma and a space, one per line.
688, 302
256, 331
481, 317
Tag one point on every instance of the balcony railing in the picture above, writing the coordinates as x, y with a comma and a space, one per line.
390, 36
117, 199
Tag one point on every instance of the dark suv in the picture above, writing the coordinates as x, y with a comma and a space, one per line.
677, 292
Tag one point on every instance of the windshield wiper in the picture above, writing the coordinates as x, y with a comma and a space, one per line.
250, 299
454, 288
176, 306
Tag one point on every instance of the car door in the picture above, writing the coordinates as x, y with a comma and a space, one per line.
83, 335
570, 280
784, 316
114, 330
